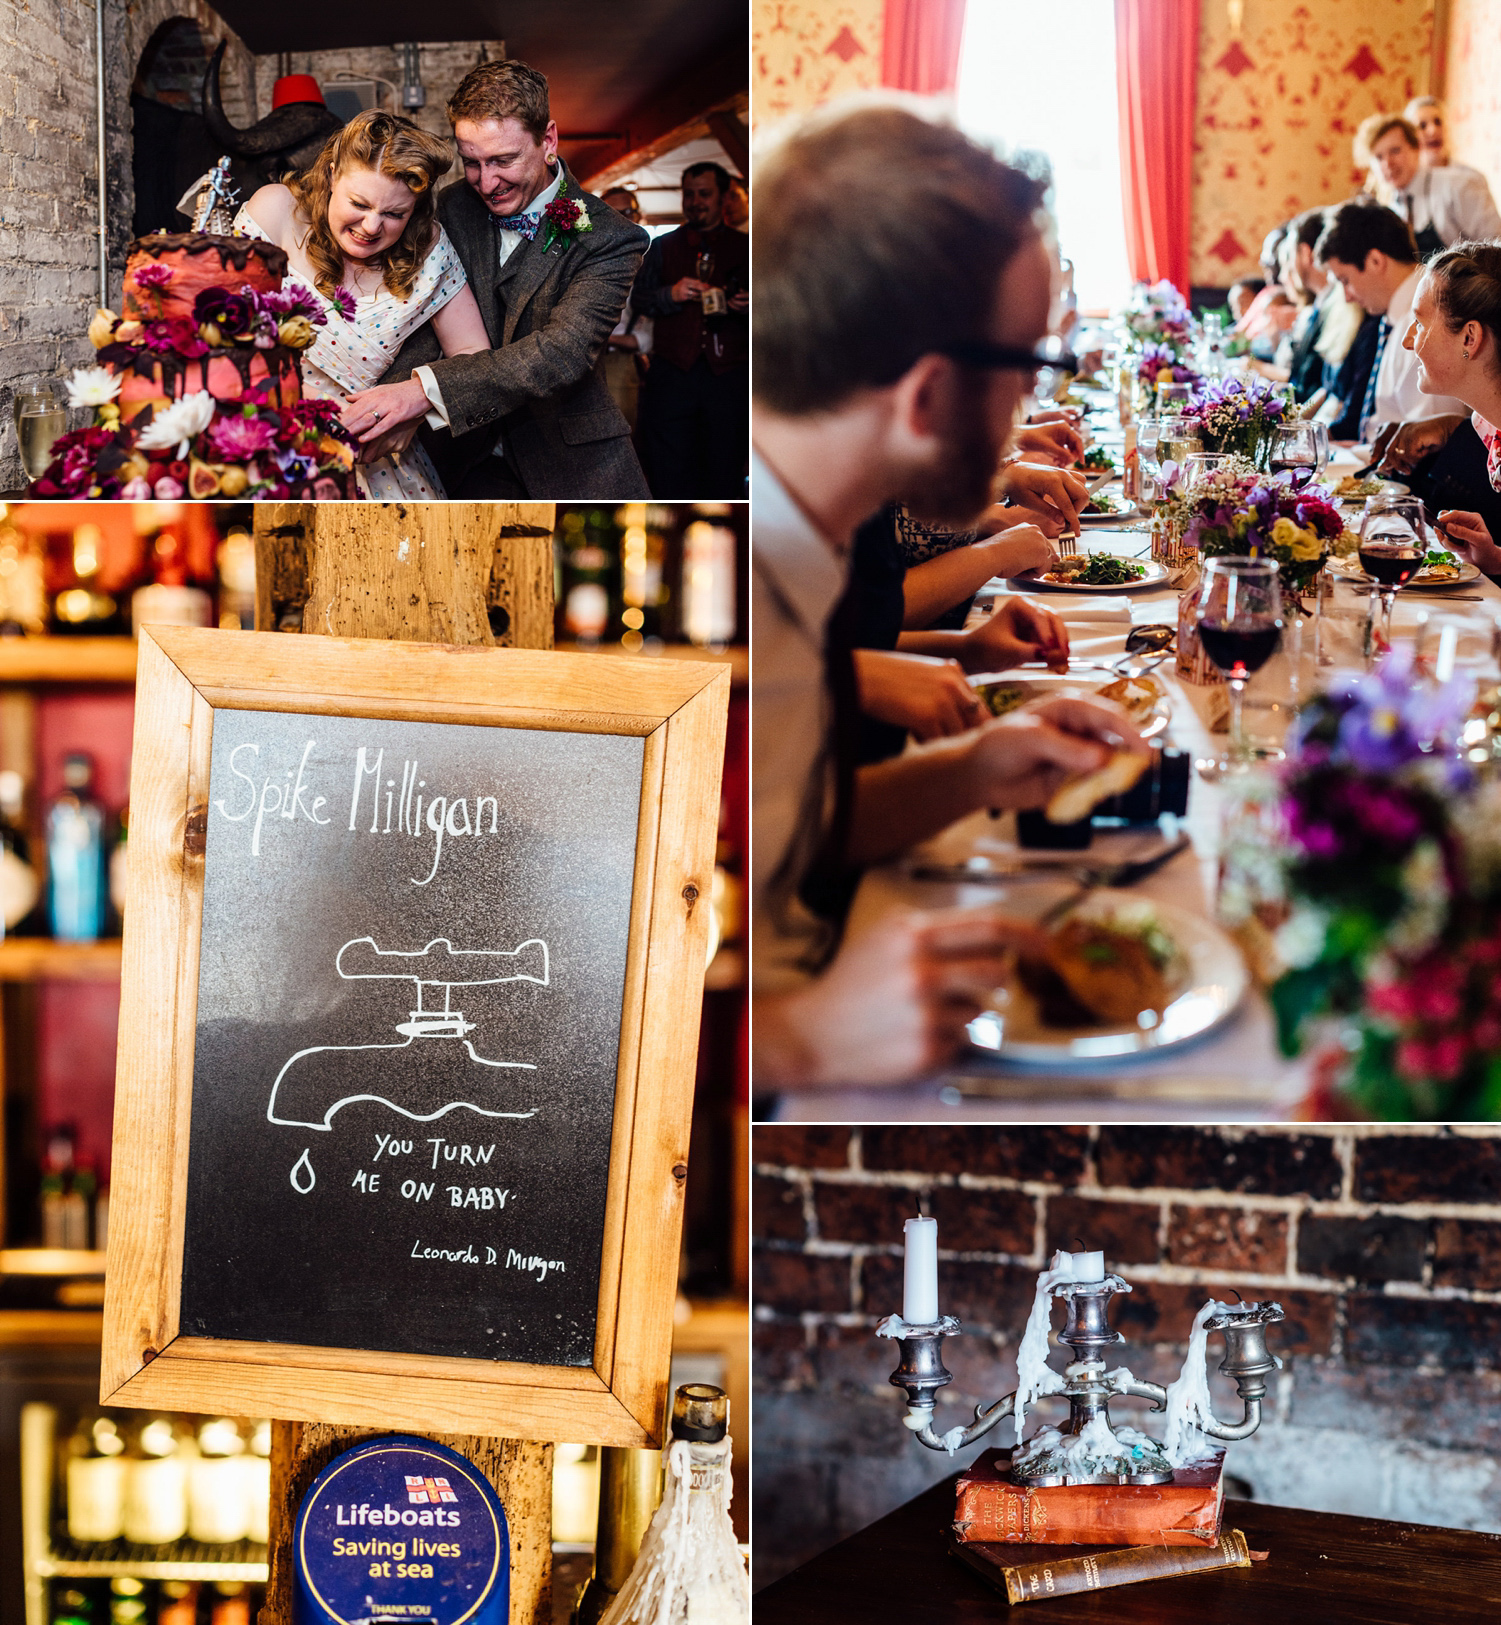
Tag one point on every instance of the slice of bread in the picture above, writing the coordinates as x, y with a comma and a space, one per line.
1078, 797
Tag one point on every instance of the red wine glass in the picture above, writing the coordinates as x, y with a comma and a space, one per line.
1238, 614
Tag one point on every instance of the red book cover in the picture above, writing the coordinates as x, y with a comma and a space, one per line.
989, 1507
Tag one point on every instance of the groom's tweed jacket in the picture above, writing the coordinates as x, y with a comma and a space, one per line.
548, 316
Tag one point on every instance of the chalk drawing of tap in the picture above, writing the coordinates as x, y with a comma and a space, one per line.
433, 1068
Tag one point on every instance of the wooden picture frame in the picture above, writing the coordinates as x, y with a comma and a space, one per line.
678, 708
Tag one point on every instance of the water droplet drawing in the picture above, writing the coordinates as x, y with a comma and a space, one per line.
302, 1175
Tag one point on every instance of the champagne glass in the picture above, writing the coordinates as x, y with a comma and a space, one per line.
1393, 547
41, 413
1238, 614
1301, 449
1177, 439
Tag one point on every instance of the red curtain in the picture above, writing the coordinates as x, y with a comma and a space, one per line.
1156, 67
921, 45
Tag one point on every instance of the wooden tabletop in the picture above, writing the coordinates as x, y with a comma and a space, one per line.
1323, 1566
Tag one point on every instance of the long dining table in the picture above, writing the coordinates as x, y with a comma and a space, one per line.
1233, 1072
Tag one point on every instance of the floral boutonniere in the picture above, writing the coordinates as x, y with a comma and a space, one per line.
564, 219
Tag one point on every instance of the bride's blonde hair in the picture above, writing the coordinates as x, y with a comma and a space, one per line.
390, 146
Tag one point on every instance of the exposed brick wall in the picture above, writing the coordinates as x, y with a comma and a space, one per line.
1383, 1246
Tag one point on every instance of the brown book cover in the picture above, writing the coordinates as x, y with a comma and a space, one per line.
989, 1507
1099, 1571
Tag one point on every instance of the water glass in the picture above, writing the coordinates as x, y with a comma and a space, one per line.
1342, 624
41, 414
1199, 465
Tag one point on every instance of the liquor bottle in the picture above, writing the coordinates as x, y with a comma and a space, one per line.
19, 888
156, 1490
590, 588
79, 605
129, 1601
170, 599
690, 1570
117, 871
72, 1605
230, 1603
177, 1603
708, 588
94, 1480
218, 1507
75, 855
77, 1208
256, 1467
236, 561
643, 583
57, 1170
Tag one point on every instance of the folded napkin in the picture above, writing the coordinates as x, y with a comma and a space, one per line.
1089, 611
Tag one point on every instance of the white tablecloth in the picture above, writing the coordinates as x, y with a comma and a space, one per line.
1233, 1073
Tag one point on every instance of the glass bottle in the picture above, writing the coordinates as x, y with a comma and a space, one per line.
156, 1494
177, 1603
218, 1509
19, 888
129, 1601
94, 1479
75, 855
690, 1571
590, 586
80, 606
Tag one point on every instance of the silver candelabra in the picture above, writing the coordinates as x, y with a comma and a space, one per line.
1088, 1450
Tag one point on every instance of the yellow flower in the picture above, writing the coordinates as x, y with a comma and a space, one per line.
102, 328
1164, 375
1284, 532
297, 332
1346, 543
1307, 547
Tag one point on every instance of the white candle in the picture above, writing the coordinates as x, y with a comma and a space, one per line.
1088, 1266
920, 1275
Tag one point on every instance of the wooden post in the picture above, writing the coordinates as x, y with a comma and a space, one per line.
450, 572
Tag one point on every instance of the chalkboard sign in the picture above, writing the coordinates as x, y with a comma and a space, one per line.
413, 959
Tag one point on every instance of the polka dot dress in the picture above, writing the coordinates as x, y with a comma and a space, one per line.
349, 356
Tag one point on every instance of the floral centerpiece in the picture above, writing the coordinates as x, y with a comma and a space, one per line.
1239, 510
1390, 914
197, 445
1239, 415
1159, 364
1158, 315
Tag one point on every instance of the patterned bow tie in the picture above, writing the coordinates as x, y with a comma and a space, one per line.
527, 224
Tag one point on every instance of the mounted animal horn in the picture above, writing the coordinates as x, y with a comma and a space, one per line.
285, 131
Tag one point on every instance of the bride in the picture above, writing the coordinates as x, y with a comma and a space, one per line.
360, 230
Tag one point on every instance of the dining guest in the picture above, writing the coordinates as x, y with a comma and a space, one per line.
1455, 342
1426, 114
1371, 253
902, 284
1443, 205
1318, 297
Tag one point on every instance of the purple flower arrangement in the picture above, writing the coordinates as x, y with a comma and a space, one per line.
1392, 880
1239, 415
1159, 364
1241, 511
1159, 315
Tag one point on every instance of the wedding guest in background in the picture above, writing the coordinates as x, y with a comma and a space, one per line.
902, 283
1322, 299
1426, 115
695, 405
629, 344
1442, 205
737, 205
1241, 296
1370, 252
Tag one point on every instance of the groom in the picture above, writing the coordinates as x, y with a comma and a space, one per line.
531, 417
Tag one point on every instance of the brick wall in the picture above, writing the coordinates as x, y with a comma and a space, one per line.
1383, 1245
48, 198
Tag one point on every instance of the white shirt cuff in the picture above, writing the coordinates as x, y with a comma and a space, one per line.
438, 417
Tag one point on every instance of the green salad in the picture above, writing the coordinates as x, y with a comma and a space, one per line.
1098, 459
1095, 570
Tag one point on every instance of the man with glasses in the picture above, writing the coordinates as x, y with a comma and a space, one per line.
902, 288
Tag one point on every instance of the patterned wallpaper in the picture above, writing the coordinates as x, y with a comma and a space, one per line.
1473, 86
806, 52
1279, 107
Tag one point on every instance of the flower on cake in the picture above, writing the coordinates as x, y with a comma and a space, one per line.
177, 424
154, 275
92, 386
232, 315
238, 439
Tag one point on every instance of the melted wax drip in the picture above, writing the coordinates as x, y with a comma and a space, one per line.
304, 1168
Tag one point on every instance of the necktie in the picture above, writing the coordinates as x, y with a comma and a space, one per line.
1368, 406
526, 224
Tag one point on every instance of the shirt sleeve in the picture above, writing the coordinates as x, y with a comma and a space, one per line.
1475, 208
447, 270
650, 296
438, 417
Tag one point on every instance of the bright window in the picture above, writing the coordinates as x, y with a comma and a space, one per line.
1039, 75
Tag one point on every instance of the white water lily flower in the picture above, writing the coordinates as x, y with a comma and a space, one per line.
177, 424
92, 386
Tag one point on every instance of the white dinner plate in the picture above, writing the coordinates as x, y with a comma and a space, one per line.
1213, 983
1151, 712
1127, 514
1349, 569
1154, 576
